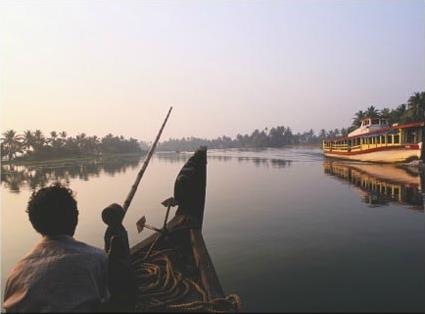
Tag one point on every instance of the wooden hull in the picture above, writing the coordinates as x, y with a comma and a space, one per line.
181, 272
395, 154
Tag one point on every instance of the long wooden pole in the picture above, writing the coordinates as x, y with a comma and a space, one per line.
144, 166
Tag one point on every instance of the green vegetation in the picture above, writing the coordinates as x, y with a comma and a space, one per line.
281, 136
414, 110
34, 146
275, 137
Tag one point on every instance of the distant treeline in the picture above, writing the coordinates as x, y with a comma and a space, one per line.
275, 137
35, 146
280, 136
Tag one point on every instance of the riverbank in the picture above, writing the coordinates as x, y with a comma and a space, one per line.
67, 160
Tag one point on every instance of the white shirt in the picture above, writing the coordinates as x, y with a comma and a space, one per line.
59, 275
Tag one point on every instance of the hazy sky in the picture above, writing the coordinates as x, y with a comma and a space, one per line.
227, 67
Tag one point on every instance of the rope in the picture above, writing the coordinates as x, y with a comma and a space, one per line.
162, 288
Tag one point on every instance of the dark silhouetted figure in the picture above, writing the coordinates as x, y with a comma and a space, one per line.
122, 284
113, 216
60, 274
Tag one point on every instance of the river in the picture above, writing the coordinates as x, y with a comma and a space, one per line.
286, 229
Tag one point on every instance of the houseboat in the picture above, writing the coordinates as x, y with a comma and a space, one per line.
376, 141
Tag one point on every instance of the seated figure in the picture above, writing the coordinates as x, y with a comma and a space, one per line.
60, 274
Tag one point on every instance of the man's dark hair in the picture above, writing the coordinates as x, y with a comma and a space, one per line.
53, 210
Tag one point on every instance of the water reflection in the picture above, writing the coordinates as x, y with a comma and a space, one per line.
258, 161
266, 162
14, 178
380, 184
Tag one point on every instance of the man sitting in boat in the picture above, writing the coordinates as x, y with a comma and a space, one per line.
60, 274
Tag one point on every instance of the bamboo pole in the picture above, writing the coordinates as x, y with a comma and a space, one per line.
144, 166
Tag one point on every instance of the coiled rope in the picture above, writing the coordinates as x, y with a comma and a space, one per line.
162, 288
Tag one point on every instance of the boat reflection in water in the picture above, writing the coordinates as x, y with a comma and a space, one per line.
380, 184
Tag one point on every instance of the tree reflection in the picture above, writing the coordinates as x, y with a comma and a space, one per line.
14, 178
257, 161
266, 162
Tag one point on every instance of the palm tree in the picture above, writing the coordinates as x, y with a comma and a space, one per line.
3, 150
53, 135
372, 112
28, 140
336, 132
416, 106
11, 143
385, 113
39, 141
93, 144
358, 117
55, 141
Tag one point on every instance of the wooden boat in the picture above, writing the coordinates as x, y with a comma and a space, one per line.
178, 274
376, 141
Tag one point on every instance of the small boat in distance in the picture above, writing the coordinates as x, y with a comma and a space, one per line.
376, 141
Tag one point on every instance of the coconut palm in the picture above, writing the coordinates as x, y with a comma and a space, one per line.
39, 141
416, 106
372, 112
12, 144
28, 138
53, 136
3, 151
81, 141
385, 113
55, 141
358, 117
336, 132
92, 145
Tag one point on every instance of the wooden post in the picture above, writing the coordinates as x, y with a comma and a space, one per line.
145, 165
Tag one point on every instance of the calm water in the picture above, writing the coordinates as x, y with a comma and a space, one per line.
286, 230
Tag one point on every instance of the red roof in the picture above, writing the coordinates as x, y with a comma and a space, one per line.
383, 130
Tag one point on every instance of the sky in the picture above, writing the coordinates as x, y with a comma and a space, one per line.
227, 67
